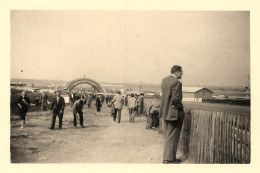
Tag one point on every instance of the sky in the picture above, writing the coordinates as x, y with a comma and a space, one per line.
213, 48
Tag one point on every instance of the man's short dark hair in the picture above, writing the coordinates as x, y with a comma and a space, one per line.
118, 92
81, 101
176, 68
132, 95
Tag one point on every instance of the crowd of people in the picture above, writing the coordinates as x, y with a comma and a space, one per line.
133, 102
169, 109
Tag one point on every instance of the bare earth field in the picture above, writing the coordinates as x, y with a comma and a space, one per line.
102, 141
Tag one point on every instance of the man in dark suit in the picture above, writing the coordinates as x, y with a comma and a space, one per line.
57, 108
171, 111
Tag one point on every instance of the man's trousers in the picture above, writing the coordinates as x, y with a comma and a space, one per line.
172, 132
60, 115
80, 118
132, 112
117, 111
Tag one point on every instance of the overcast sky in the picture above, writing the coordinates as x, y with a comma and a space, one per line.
123, 46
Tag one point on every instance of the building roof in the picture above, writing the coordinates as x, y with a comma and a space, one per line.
194, 89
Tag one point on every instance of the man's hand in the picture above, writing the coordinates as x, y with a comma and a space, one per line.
50, 111
61, 112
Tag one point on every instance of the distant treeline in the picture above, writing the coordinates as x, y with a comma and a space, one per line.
244, 102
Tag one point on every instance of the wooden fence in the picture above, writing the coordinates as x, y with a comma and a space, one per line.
215, 137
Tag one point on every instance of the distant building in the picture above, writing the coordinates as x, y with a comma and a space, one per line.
150, 94
196, 93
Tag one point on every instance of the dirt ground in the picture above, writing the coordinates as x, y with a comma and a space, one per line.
102, 141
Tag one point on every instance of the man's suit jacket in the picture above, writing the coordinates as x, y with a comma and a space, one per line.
56, 107
171, 102
118, 100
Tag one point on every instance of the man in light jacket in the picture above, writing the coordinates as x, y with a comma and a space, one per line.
118, 100
131, 104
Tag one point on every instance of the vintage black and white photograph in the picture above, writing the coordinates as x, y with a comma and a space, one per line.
130, 86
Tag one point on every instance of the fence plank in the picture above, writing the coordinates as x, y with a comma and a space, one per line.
233, 138
212, 138
217, 137
204, 136
242, 140
230, 117
237, 138
224, 138
208, 128
200, 138
247, 144
221, 138
191, 136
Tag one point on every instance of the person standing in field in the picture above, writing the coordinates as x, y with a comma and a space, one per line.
23, 103
141, 103
171, 111
153, 119
57, 108
44, 100
89, 100
118, 100
98, 103
72, 99
112, 109
138, 105
131, 105
126, 100
77, 108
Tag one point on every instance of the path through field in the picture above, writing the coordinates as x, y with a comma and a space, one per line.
102, 141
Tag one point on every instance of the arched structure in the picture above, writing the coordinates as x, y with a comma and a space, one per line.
79, 81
